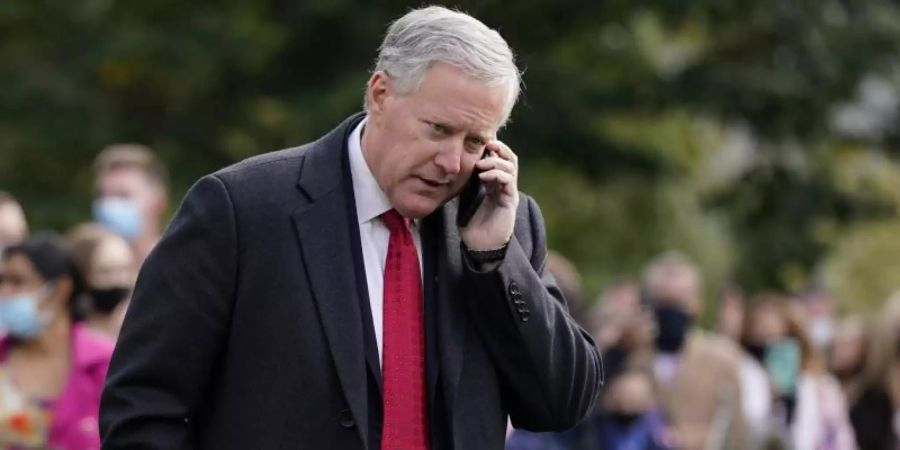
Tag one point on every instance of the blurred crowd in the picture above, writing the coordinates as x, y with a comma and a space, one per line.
63, 298
776, 371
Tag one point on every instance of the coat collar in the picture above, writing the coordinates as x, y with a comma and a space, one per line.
321, 170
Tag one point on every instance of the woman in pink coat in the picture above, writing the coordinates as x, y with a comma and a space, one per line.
51, 368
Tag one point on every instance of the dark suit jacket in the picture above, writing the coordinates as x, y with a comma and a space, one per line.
248, 328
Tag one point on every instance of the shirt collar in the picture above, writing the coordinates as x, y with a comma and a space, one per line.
371, 201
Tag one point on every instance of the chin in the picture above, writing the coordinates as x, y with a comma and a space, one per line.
416, 206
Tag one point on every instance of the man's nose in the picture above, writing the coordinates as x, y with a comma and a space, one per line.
449, 158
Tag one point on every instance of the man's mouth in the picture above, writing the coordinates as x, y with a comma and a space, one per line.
436, 184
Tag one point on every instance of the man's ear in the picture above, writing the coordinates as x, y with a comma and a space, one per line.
379, 89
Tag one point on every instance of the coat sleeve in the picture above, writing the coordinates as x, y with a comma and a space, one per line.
550, 367
175, 326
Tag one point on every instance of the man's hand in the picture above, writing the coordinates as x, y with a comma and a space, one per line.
492, 225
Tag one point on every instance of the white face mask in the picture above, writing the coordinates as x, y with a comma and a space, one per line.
821, 330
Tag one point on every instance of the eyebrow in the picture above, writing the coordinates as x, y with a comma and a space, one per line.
484, 139
453, 130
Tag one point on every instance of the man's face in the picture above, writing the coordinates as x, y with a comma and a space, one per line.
130, 183
678, 287
422, 146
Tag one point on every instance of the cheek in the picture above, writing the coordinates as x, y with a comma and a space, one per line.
466, 172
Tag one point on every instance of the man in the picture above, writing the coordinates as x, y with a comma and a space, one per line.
13, 226
131, 195
696, 372
323, 297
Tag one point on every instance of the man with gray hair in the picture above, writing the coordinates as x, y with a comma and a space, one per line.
380, 288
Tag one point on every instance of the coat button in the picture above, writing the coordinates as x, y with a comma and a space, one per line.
347, 419
514, 289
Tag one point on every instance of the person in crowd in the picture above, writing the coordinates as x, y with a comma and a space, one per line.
107, 262
764, 322
858, 359
51, 367
569, 280
621, 324
628, 417
890, 324
893, 376
13, 226
131, 195
807, 406
351, 293
696, 372
730, 320
820, 311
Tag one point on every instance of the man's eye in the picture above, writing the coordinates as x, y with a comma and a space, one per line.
438, 128
474, 141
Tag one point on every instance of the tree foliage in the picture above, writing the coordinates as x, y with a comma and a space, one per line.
759, 137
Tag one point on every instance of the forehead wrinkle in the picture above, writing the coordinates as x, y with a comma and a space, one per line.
470, 121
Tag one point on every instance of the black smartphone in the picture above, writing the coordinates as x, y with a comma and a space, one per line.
471, 196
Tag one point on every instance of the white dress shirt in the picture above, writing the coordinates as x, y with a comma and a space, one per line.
371, 202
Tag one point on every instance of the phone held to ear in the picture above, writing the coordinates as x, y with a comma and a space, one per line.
471, 196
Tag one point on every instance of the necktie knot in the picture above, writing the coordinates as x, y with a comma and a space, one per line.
395, 222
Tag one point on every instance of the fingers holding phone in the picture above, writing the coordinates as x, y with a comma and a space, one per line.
492, 224
499, 171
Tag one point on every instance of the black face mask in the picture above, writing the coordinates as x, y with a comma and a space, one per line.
624, 419
614, 360
105, 300
673, 325
757, 351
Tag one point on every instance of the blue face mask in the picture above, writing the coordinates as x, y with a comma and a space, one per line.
19, 316
121, 215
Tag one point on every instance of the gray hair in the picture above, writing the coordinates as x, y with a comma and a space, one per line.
425, 36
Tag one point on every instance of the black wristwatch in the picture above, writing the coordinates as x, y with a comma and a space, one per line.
487, 256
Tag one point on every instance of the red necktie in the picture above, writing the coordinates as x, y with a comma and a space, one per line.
403, 361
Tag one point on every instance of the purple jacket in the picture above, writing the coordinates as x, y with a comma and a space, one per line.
74, 425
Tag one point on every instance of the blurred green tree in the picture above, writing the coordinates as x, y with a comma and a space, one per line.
722, 128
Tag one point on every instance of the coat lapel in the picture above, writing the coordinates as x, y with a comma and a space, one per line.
328, 261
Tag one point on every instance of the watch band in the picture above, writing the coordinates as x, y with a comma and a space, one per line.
486, 256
